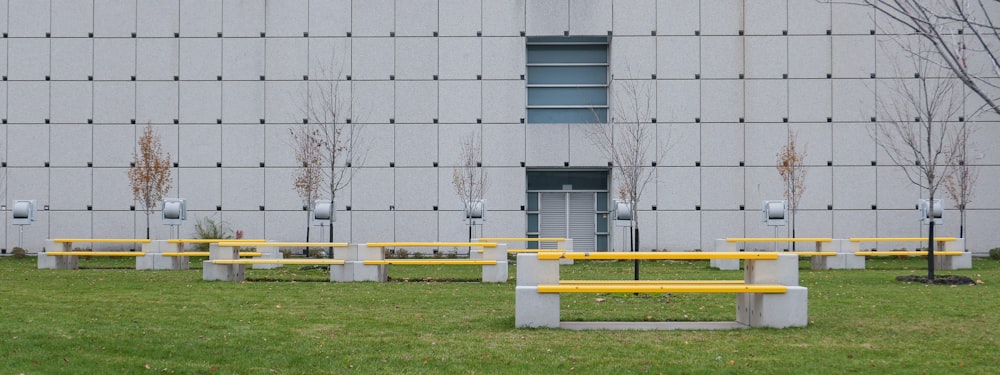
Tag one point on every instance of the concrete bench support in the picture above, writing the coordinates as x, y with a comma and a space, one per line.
47, 262
844, 260
953, 262
155, 260
774, 310
223, 272
354, 268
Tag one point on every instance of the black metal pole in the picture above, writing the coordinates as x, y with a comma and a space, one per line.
635, 248
930, 246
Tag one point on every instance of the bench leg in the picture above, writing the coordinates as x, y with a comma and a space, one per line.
790, 309
721, 245
154, 260
222, 272
533, 309
953, 262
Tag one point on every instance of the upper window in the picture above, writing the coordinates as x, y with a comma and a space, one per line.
567, 79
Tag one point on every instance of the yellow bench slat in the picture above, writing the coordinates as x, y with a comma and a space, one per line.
100, 240
906, 253
524, 239
515, 251
211, 240
282, 244
432, 244
95, 253
278, 261
658, 255
663, 288
778, 239
653, 282
812, 253
205, 254
899, 239
427, 262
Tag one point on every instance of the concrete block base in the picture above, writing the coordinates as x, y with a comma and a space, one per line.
790, 309
953, 262
154, 260
46, 262
268, 252
223, 272
721, 245
497, 273
159, 262
533, 309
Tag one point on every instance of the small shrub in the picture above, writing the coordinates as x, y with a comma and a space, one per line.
317, 253
208, 229
285, 253
438, 254
995, 253
453, 254
418, 255
20, 252
402, 253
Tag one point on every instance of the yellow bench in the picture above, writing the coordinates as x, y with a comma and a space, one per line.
428, 262
657, 255
206, 253
95, 253
493, 261
224, 263
59, 252
768, 295
949, 254
303, 261
662, 288
905, 253
824, 247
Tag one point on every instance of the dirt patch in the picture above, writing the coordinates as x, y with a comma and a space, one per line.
938, 280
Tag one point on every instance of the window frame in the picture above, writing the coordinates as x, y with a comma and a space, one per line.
600, 110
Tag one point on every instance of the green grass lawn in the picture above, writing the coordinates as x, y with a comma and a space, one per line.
118, 320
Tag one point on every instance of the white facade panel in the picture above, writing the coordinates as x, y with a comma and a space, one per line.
200, 18
242, 18
418, 18
72, 59
70, 18
158, 18
206, 72
286, 18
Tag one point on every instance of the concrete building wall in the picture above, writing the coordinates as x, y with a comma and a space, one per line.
222, 82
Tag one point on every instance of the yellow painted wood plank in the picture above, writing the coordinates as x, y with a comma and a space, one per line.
658, 255
524, 239
282, 244
778, 239
653, 282
899, 239
205, 254
432, 244
662, 288
279, 261
905, 253
427, 262
101, 240
212, 240
95, 253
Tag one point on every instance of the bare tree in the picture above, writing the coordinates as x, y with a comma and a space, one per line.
149, 175
960, 183
915, 132
629, 141
309, 177
791, 167
338, 142
469, 179
957, 31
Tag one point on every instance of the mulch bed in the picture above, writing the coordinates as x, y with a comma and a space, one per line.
938, 280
